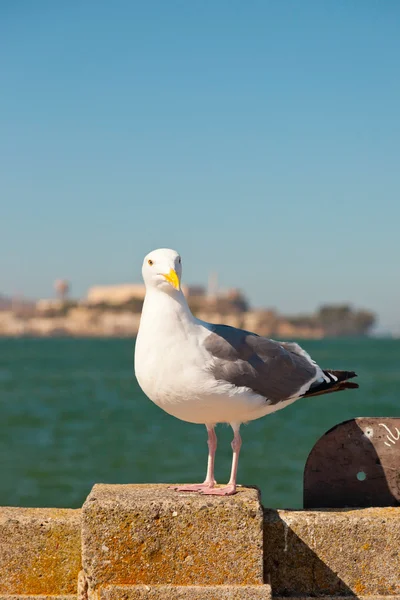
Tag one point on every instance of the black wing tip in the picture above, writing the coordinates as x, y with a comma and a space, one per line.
341, 375
338, 382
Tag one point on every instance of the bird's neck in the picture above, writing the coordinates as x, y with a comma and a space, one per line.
166, 311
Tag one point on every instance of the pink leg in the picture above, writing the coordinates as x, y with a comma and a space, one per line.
230, 489
209, 481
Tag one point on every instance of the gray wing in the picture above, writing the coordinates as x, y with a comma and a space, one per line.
275, 370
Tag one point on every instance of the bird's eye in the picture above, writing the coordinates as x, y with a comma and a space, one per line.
179, 260
150, 262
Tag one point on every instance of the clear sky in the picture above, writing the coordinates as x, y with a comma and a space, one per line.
261, 139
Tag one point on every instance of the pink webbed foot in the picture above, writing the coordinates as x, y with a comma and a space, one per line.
192, 487
228, 490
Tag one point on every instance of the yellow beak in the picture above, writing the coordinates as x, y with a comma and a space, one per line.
173, 279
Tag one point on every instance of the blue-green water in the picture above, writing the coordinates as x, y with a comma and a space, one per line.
72, 414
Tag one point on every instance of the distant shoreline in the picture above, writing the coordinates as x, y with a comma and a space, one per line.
71, 319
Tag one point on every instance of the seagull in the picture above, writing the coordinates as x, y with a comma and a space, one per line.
208, 374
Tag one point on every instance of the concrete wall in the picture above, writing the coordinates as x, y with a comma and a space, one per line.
40, 551
132, 541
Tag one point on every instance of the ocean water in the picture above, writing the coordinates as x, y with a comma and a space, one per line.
72, 414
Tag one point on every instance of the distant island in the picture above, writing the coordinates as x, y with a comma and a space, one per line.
114, 311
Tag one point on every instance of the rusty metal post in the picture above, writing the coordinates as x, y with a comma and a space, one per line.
355, 464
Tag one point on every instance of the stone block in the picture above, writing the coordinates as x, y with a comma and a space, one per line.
333, 552
12, 597
189, 592
40, 551
149, 534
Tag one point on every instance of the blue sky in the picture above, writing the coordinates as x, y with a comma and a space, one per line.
260, 139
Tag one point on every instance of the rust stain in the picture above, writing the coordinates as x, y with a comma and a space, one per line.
359, 587
366, 546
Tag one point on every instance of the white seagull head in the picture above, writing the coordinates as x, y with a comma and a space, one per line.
162, 269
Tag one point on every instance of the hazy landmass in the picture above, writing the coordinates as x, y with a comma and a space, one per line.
94, 316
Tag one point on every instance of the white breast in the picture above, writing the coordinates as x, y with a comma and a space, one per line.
172, 368
169, 355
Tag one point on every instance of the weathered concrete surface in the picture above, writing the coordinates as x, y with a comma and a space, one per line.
40, 551
82, 589
12, 597
345, 552
190, 592
149, 534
